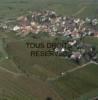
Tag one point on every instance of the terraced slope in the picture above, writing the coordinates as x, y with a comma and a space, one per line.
14, 86
82, 82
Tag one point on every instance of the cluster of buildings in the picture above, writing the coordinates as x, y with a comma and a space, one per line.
78, 52
53, 24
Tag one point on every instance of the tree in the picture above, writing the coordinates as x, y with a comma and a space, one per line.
48, 98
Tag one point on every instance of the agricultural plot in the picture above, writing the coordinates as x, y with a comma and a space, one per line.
11, 9
78, 83
3, 53
91, 40
20, 87
8, 64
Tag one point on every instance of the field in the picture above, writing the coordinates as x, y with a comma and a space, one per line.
16, 86
23, 77
82, 8
78, 83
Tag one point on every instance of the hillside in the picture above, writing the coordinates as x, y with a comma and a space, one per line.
26, 77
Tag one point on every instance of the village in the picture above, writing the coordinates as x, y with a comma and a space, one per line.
53, 24
50, 22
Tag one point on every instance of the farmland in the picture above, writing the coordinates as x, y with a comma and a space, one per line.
78, 83
12, 9
18, 86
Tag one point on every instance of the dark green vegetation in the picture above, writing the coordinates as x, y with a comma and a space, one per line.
25, 78
91, 40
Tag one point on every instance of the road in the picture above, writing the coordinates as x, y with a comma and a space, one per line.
80, 11
70, 71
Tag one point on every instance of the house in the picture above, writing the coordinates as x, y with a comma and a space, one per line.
76, 55
94, 22
16, 28
72, 43
96, 34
